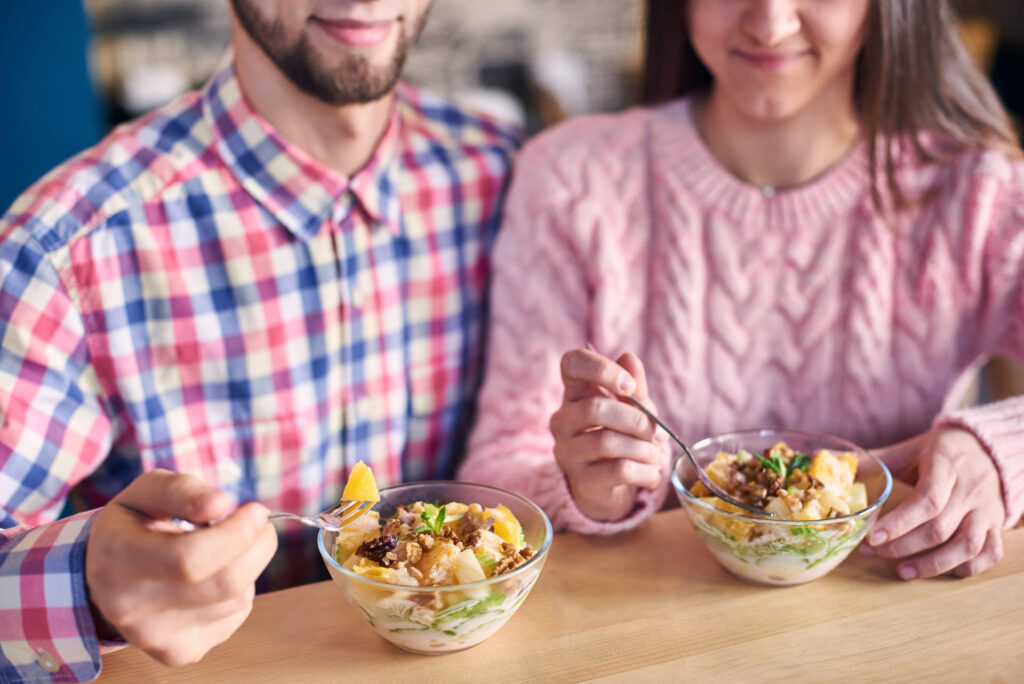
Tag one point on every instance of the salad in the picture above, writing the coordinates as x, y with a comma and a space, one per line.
819, 489
459, 550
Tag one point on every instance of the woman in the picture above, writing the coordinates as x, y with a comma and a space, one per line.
823, 230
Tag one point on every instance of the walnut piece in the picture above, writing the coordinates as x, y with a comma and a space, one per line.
413, 551
380, 549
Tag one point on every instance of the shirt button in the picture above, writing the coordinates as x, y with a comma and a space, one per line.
358, 298
47, 662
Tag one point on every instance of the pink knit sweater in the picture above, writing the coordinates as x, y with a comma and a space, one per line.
805, 309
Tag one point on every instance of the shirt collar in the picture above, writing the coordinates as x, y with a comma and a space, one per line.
299, 191
374, 186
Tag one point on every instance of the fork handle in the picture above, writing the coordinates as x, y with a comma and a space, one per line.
305, 520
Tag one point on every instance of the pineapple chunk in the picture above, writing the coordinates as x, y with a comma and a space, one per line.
780, 507
830, 501
813, 510
718, 470
506, 526
453, 510
858, 499
836, 475
361, 486
468, 568
849, 459
438, 564
365, 567
737, 529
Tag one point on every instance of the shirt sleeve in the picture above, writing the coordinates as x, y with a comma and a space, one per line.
54, 431
540, 309
47, 632
1000, 426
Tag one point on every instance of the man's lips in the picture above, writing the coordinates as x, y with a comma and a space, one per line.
357, 34
770, 60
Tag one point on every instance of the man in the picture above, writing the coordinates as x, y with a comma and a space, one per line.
230, 302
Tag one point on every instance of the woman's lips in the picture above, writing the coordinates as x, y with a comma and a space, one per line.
770, 61
357, 34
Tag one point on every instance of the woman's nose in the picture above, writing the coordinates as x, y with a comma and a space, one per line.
770, 22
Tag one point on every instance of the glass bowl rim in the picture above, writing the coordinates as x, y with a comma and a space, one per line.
848, 445
534, 560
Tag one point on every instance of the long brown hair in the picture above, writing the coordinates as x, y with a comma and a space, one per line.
913, 76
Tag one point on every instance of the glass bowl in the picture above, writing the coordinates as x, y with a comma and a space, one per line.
770, 551
434, 620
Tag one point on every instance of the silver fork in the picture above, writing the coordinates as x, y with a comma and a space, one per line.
701, 475
332, 519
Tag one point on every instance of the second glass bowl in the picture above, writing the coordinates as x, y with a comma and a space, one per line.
770, 551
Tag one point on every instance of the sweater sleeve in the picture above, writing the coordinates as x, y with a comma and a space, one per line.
540, 308
1000, 426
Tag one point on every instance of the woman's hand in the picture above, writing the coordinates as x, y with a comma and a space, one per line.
606, 447
953, 520
172, 594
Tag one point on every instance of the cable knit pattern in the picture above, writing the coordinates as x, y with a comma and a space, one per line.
802, 310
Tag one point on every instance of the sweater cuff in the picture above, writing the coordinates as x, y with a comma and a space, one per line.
1000, 429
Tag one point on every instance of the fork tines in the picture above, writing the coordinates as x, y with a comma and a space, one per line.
347, 512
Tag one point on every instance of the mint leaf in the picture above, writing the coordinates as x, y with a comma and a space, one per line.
433, 519
439, 519
774, 464
800, 461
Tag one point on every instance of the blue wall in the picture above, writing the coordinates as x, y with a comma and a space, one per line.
50, 109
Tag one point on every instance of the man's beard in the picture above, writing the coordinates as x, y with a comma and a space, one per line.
355, 82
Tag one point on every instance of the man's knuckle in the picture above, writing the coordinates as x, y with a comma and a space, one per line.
118, 610
186, 568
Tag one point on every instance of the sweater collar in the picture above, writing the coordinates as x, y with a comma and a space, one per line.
834, 192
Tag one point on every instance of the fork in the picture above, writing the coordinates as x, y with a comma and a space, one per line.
701, 475
333, 519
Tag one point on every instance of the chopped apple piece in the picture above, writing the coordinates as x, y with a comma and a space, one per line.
468, 568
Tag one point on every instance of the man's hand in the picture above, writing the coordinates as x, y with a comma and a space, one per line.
176, 595
952, 522
606, 447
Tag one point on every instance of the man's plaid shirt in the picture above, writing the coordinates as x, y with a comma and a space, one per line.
197, 294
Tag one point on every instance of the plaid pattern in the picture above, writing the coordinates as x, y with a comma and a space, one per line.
41, 586
197, 294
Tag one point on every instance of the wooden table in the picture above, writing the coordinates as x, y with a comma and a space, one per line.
651, 606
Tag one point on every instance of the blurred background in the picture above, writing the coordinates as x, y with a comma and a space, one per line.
72, 69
